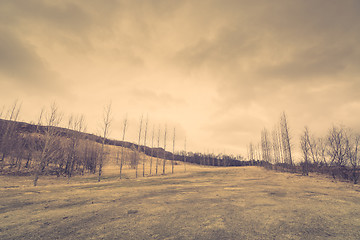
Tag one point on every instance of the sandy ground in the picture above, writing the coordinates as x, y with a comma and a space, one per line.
203, 203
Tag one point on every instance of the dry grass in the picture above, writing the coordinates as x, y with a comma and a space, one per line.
203, 203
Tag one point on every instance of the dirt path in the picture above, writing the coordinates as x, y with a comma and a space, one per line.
214, 203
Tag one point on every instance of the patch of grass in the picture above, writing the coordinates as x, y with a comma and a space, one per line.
203, 203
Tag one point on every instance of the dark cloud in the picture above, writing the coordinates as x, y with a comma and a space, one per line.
61, 15
237, 63
19, 61
285, 39
316, 61
228, 50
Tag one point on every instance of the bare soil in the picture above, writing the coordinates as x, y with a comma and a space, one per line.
203, 203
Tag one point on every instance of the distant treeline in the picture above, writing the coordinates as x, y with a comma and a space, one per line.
336, 154
46, 148
21, 133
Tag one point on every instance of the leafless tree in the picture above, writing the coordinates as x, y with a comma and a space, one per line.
81, 152
276, 145
33, 140
146, 128
251, 152
285, 136
185, 153
91, 153
257, 152
76, 125
219, 159
138, 148
173, 155
132, 157
265, 146
107, 118
31, 148
225, 159
314, 149
152, 147
122, 148
164, 160
85, 147
280, 144
353, 144
322, 151
157, 152
337, 150
50, 147
8, 134
212, 158
305, 147
337, 140
206, 160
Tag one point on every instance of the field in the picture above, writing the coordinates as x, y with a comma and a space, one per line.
201, 203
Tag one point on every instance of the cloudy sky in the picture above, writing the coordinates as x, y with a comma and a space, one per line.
218, 71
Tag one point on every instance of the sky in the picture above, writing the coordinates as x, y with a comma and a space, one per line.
216, 71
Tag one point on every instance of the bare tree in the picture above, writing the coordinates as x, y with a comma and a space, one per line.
132, 157
212, 158
91, 152
280, 144
265, 146
353, 145
50, 147
337, 140
7, 132
254, 151
105, 132
76, 126
314, 149
138, 148
251, 152
185, 153
259, 151
19, 151
305, 147
337, 150
152, 148
225, 159
276, 146
164, 160
173, 155
286, 139
146, 127
33, 140
321, 148
157, 152
122, 148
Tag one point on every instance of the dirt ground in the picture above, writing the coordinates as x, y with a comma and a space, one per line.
203, 203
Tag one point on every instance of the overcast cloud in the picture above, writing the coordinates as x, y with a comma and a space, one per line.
218, 71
